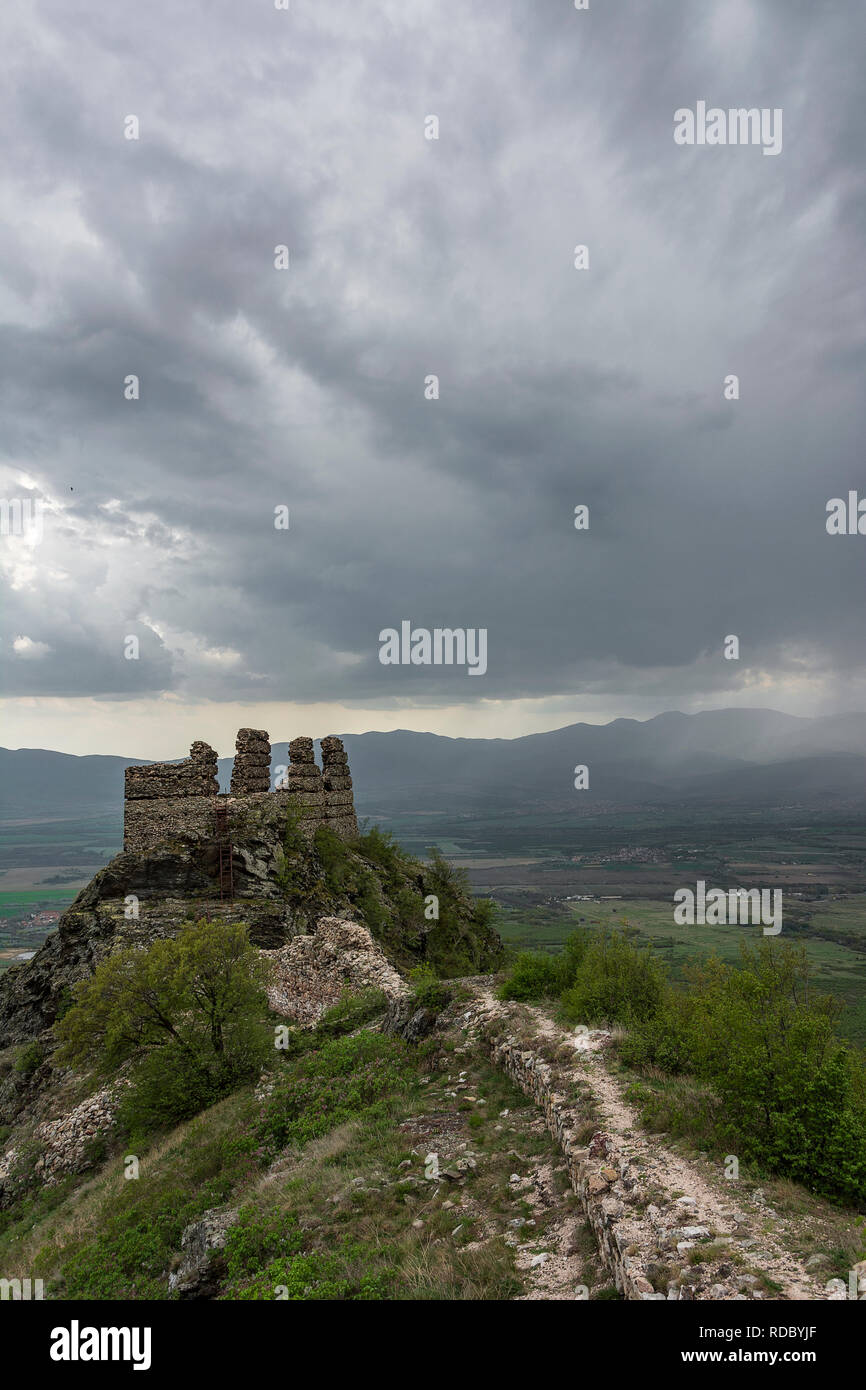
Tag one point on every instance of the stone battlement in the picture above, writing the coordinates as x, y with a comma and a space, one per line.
163, 801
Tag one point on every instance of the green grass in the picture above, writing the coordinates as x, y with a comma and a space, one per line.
15, 902
328, 1175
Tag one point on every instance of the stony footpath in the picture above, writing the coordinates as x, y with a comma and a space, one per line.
668, 1227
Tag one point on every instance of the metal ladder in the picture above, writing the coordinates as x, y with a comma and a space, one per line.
224, 850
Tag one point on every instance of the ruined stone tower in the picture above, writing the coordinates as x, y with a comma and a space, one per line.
252, 766
339, 802
165, 800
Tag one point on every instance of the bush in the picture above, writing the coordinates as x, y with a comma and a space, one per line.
379, 847
374, 913
334, 859
534, 977
791, 1097
345, 1079
318, 1276
351, 1011
428, 990
257, 1238
266, 1259
30, 1058
614, 982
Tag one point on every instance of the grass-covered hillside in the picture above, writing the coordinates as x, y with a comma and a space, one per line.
358, 1167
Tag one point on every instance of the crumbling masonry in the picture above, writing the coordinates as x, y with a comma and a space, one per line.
163, 801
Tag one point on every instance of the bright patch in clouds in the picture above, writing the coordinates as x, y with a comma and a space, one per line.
28, 649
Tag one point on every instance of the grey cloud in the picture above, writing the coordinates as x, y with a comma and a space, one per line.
408, 258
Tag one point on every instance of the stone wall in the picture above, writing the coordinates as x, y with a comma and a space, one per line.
645, 1227
165, 801
592, 1169
195, 776
305, 783
148, 822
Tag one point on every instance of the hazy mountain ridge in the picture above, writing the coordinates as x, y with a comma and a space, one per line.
753, 756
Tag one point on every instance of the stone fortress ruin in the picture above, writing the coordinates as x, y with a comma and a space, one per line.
164, 801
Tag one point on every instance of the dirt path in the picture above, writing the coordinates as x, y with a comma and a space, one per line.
693, 1193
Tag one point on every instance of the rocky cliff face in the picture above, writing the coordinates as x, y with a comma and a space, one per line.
282, 885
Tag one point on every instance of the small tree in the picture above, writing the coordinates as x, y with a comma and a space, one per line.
187, 1012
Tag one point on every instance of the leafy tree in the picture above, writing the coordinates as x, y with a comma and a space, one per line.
792, 1095
187, 1012
791, 1090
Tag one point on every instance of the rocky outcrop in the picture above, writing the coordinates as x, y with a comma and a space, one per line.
407, 1019
280, 890
313, 972
202, 1267
140, 896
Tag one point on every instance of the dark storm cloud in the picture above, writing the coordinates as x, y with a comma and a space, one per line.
408, 258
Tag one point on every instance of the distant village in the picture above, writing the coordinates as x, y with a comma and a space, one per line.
21, 936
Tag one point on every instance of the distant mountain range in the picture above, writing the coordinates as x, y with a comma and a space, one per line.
753, 758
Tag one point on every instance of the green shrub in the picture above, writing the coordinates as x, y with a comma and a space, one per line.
379, 847
266, 1259
614, 982
334, 858
30, 1058
370, 905
351, 1011
428, 990
790, 1097
534, 976
346, 1078
310, 1278
258, 1238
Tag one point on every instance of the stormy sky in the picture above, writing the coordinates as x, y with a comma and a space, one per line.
411, 257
